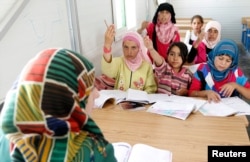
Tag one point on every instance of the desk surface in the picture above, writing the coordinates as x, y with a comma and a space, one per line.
187, 139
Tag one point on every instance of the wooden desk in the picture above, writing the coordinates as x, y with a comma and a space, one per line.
187, 139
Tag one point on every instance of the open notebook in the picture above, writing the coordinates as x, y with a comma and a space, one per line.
172, 109
124, 152
226, 107
118, 96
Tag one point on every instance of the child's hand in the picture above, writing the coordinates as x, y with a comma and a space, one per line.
201, 36
144, 25
227, 89
182, 92
212, 96
148, 43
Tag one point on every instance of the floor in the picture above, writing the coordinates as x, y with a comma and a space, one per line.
244, 61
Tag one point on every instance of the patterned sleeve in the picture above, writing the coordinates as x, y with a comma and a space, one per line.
196, 84
241, 78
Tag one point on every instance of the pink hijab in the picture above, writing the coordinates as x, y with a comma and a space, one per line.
216, 25
141, 55
165, 32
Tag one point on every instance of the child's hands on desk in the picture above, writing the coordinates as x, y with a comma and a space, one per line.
212, 96
228, 89
181, 92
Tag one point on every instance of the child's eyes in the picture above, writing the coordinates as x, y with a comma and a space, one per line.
227, 60
174, 54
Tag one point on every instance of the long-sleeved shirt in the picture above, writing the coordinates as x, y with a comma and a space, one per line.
141, 79
169, 81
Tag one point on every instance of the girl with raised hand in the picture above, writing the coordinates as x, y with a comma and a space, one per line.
205, 43
192, 35
172, 76
131, 70
162, 30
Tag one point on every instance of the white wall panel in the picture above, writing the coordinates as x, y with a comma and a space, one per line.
227, 12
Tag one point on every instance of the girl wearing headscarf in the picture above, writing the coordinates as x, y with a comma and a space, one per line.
205, 43
46, 114
162, 30
133, 69
220, 76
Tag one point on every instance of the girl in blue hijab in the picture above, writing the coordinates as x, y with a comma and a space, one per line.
220, 76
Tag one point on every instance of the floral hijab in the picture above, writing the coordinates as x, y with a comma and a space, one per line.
44, 115
228, 47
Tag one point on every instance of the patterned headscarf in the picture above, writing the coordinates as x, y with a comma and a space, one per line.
228, 47
209, 25
142, 54
44, 115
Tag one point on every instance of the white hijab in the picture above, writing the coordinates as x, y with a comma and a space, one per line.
209, 25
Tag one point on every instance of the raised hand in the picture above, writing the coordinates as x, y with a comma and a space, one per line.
109, 36
148, 43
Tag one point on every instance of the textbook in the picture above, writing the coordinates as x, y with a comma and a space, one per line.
124, 152
217, 109
118, 96
109, 96
226, 107
172, 109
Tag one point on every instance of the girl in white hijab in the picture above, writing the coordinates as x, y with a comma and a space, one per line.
205, 43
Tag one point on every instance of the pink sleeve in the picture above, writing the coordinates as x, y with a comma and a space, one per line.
159, 70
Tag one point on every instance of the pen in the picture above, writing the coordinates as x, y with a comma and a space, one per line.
106, 23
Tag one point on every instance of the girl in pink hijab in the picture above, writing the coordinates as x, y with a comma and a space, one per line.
205, 43
131, 70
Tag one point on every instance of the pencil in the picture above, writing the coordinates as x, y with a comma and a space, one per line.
106, 23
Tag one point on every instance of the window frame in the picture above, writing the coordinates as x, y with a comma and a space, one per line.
128, 20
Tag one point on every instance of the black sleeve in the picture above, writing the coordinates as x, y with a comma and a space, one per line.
192, 54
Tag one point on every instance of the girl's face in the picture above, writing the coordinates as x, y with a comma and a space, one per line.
196, 25
212, 34
91, 100
174, 58
222, 62
130, 49
164, 16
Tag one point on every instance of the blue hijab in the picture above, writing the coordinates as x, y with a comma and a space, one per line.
228, 47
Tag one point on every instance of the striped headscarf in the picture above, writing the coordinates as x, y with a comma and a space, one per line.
44, 115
